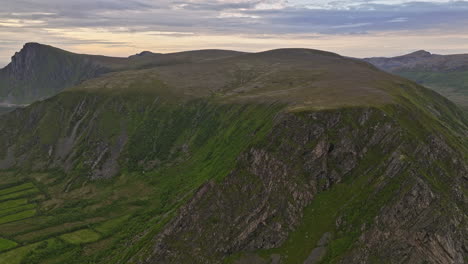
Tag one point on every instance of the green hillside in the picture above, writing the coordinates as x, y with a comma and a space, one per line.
453, 85
283, 156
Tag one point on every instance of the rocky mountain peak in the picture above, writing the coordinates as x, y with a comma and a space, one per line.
22, 62
32, 45
38, 71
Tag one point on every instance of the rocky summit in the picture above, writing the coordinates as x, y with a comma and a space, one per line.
284, 156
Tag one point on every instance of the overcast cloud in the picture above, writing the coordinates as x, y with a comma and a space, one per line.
123, 27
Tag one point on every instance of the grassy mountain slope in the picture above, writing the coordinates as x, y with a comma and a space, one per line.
40, 71
284, 156
446, 74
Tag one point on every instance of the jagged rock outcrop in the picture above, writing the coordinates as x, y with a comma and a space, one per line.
420, 225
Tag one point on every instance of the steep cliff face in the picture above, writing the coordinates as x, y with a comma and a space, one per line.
39, 71
262, 158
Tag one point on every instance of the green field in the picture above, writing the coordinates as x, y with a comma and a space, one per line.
7, 244
17, 216
40, 234
57, 236
81, 237
17, 209
32, 252
17, 188
66, 217
16, 255
19, 194
13, 203
109, 226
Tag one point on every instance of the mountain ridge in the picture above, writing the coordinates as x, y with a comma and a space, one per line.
39, 71
420, 60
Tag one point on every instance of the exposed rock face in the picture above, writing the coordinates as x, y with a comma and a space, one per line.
262, 201
420, 226
22, 62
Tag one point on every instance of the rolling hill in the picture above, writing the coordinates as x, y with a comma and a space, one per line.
446, 74
283, 156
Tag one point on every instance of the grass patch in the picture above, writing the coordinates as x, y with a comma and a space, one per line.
81, 237
45, 250
111, 225
15, 256
17, 209
17, 188
7, 244
13, 203
26, 225
19, 194
17, 216
44, 233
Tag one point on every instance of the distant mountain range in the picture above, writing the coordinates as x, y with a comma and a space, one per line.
446, 74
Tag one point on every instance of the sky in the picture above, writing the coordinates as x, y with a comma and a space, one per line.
358, 28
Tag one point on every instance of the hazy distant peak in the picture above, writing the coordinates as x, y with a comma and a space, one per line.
419, 53
143, 53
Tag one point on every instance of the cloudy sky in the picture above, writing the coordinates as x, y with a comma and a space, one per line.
358, 28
